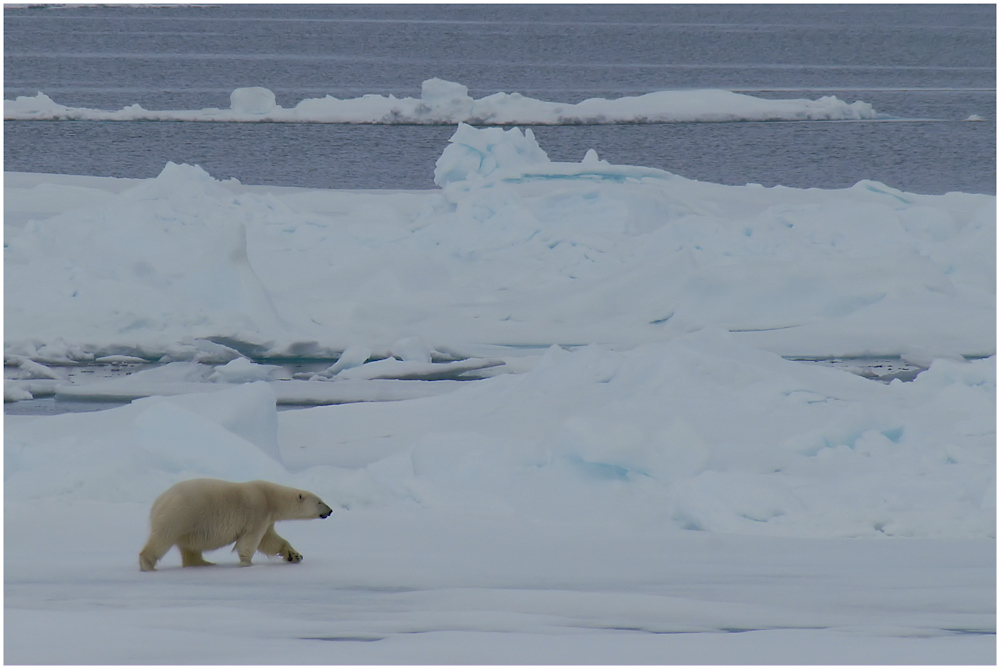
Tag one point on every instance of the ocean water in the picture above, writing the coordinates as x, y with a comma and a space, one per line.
928, 67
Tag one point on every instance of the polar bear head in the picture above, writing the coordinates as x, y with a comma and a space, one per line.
305, 505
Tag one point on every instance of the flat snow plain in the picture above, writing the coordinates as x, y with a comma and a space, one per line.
602, 443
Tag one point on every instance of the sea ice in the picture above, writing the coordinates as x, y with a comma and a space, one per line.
514, 249
637, 474
446, 103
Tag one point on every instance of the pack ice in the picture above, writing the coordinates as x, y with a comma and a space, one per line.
447, 103
606, 439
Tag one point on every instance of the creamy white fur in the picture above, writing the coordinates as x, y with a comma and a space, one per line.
206, 514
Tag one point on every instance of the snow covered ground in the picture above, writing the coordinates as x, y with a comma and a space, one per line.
566, 416
411, 586
446, 102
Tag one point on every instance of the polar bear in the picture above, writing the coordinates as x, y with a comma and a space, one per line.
205, 514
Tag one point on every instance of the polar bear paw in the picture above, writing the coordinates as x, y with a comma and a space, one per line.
292, 556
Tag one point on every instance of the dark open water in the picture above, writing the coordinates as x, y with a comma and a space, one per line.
930, 66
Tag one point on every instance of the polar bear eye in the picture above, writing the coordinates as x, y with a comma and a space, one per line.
301, 497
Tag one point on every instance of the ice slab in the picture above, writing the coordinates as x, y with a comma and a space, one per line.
390, 368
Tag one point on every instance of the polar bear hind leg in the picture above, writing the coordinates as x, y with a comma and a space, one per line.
192, 558
152, 552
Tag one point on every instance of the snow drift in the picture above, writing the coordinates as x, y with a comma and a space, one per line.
446, 103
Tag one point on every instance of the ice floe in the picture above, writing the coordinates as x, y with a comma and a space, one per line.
445, 103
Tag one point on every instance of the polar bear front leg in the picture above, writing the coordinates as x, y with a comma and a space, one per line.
273, 543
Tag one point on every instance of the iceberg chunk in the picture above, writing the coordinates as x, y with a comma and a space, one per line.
253, 101
473, 152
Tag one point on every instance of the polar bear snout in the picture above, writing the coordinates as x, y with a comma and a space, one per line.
324, 510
